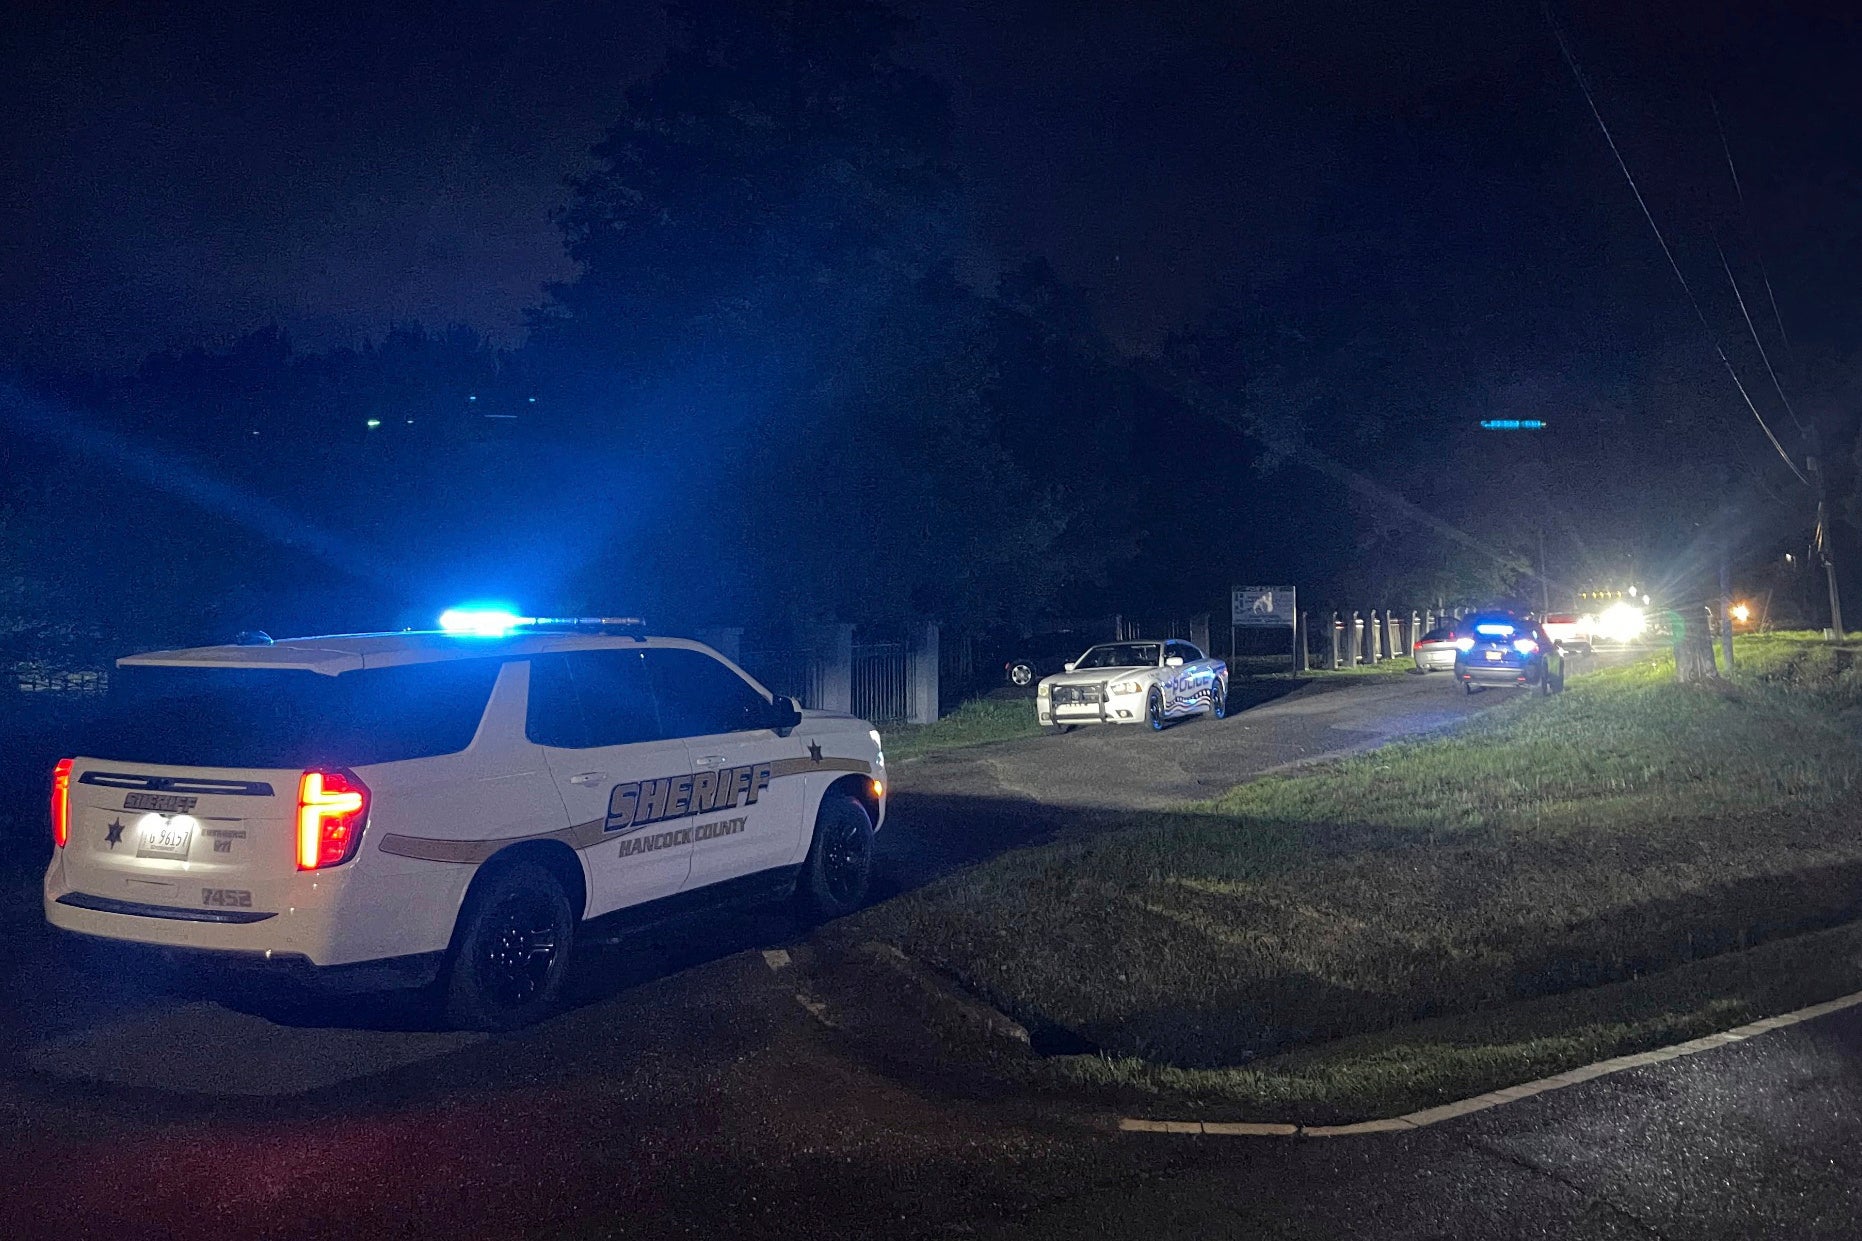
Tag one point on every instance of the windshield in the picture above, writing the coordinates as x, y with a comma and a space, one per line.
269, 717
1122, 655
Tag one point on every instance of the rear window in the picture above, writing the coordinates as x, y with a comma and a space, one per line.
1438, 635
267, 717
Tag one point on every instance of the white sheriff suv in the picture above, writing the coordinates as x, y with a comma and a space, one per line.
409, 807
1150, 682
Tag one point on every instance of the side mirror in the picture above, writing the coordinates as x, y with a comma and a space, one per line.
1068, 666
784, 714
1175, 661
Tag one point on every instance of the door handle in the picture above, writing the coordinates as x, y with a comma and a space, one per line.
587, 777
708, 760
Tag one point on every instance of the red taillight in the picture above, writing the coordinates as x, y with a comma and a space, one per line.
61, 802
332, 807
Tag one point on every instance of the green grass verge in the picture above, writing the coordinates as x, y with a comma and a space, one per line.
976, 722
1623, 830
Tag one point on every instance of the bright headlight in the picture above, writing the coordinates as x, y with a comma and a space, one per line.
1043, 690
1127, 687
1622, 622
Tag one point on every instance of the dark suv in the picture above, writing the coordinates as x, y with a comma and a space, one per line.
1498, 648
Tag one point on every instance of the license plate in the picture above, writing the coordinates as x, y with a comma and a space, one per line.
1494, 657
163, 837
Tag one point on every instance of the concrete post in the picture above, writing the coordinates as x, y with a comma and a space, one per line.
1331, 633
1199, 631
1357, 638
726, 640
925, 707
1370, 637
833, 670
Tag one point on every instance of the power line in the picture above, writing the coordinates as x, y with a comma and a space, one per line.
1765, 357
1584, 86
1758, 251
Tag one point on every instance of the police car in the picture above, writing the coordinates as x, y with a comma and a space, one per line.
449, 806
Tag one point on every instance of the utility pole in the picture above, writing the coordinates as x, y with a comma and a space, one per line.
1825, 545
1545, 585
1726, 615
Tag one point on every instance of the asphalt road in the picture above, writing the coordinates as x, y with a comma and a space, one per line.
692, 1093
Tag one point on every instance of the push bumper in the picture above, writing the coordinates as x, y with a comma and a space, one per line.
1119, 709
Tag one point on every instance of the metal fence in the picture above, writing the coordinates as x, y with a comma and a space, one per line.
883, 675
795, 671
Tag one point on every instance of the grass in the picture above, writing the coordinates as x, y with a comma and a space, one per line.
1291, 942
976, 722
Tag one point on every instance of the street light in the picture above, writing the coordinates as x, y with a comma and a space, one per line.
1741, 613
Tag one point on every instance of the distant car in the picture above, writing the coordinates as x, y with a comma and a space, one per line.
1568, 631
1027, 660
1497, 648
1132, 683
1435, 650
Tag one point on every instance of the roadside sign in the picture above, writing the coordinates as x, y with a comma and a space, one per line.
1264, 605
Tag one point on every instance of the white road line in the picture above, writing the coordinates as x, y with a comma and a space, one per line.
1494, 1098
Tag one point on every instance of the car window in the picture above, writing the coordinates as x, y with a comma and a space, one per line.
699, 696
582, 699
1188, 653
1438, 635
273, 717
1122, 655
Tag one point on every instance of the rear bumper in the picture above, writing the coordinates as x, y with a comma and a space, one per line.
235, 965
1436, 660
376, 908
1476, 674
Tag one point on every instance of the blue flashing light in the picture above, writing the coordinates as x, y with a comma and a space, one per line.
1494, 631
1512, 424
481, 622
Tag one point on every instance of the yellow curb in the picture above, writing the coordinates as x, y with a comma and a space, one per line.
1247, 1129
1496, 1098
1396, 1124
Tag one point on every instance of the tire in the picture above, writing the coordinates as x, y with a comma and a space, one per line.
1021, 674
1469, 686
1058, 730
1218, 701
1154, 710
510, 950
839, 869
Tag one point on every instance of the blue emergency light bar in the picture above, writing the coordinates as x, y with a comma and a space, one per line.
1512, 424
497, 622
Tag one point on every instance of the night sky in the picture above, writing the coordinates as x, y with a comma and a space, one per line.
182, 175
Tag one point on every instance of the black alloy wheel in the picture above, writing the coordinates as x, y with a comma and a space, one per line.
511, 950
839, 869
1218, 700
1154, 710
514, 957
